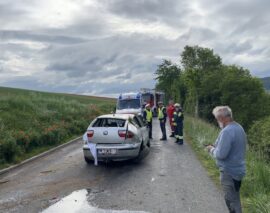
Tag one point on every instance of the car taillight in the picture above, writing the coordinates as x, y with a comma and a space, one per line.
90, 134
130, 134
124, 133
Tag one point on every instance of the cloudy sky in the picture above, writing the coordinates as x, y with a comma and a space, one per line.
104, 47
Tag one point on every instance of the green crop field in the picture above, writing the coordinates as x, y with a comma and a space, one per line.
32, 122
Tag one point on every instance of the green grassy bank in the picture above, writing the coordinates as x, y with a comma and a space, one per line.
255, 191
32, 122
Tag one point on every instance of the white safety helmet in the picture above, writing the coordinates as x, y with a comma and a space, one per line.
177, 105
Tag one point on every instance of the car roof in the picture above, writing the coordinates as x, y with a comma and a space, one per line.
118, 116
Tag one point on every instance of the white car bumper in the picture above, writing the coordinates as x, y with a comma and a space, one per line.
122, 151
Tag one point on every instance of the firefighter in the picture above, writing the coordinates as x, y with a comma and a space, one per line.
162, 115
178, 119
170, 111
148, 116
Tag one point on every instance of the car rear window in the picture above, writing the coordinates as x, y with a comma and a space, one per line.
109, 122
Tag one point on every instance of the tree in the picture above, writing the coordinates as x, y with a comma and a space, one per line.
198, 62
244, 94
167, 73
204, 82
179, 89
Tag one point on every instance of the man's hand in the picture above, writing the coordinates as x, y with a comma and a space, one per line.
209, 147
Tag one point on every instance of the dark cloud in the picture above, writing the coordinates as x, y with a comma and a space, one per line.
167, 11
197, 33
244, 8
26, 82
108, 57
112, 46
150, 10
253, 24
236, 48
32, 36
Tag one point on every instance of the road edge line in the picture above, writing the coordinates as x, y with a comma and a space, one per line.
6, 170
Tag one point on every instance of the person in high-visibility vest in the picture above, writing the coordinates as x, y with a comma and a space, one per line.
148, 117
178, 118
162, 115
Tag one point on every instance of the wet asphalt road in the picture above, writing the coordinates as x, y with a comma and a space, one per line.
169, 179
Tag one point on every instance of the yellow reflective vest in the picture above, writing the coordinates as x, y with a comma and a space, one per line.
149, 115
160, 113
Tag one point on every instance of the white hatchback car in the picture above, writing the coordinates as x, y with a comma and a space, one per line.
117, 137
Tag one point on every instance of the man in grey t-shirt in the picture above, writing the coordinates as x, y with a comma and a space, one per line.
229, 152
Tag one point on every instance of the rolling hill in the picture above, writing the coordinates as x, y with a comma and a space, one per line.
266, 83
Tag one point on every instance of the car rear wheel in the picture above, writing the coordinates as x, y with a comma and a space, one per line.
87, 160
144, 150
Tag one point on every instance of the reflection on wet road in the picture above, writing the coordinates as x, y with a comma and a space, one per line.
169, 180
80, 202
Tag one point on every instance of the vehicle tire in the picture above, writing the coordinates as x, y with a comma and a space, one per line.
88, 161
142, 153
148, 143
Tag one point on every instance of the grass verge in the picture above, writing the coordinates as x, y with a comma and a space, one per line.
34, 152
255, 191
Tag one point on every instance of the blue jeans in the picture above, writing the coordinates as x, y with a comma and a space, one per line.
231, 189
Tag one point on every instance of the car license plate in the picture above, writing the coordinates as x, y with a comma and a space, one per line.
107, 151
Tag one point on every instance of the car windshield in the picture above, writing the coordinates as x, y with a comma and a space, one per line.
129, 104
109, 122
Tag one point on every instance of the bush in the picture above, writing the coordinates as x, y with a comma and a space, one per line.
53, 137
22, 139
8, 149
34, 140
259, 137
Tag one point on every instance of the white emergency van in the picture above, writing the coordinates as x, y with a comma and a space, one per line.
129, 103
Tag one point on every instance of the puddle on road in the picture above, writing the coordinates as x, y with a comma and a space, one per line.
78, 202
